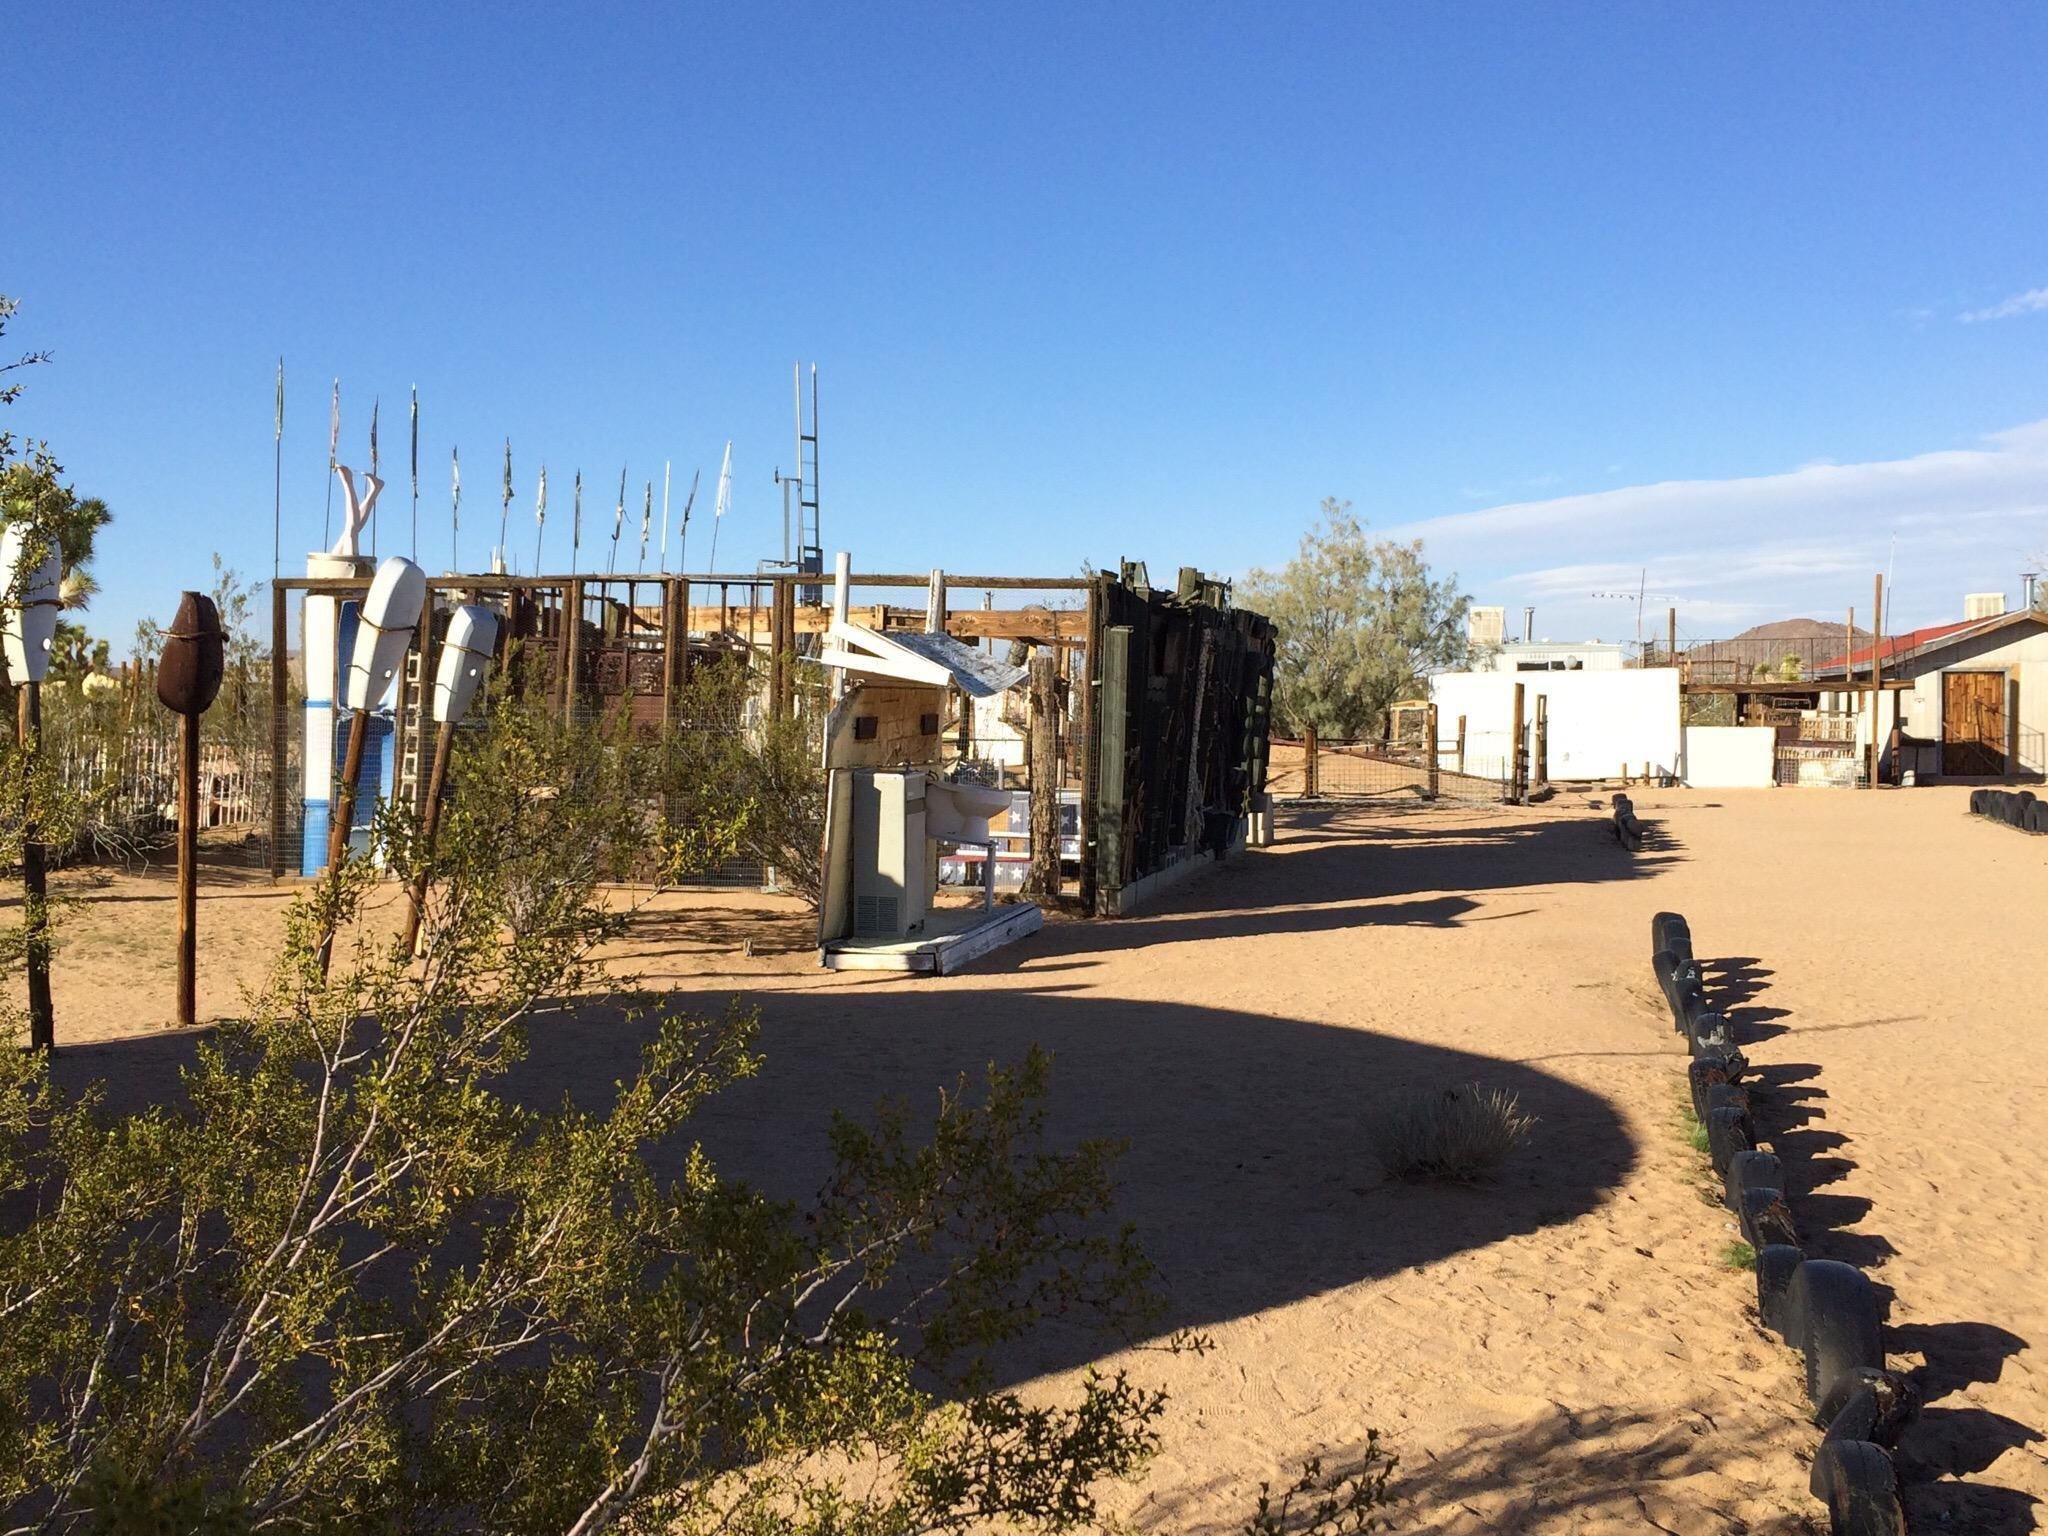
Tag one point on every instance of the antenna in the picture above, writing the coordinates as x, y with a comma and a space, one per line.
1641, 594
808, 558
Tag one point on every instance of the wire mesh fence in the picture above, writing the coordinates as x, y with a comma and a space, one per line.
1366, 768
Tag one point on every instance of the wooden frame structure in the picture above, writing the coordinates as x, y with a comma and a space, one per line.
628, 648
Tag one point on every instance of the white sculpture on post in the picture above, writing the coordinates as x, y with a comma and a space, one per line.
349, 545
29, 625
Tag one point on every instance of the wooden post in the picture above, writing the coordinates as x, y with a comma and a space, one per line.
1542, 740
344, 813
188, 870
1112, 718
777, 659
1310, 778
430, 824
1876, 670
423, 637
1518, 771
1461, 743
1433, 753
1671, 637
572, 664
1045, 775
35, 927
668, 652
278, 695
1091, 725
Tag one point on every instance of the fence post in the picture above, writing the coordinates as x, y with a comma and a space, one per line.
1433, 784
1111, 719
1518, 771
1045, 776
1461, 743
277, 724
1310, 779
1542, 740
1091, 726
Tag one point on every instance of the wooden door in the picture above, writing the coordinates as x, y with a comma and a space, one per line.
1973, 724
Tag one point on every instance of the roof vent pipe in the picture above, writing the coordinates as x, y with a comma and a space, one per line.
1528, 625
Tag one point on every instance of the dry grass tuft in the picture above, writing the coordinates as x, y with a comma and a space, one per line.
1455, 1135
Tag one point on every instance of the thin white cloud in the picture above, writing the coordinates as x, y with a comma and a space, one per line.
1801, 542
2032, 302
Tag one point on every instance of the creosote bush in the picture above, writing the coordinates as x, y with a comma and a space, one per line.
1458, 1135
345, 1277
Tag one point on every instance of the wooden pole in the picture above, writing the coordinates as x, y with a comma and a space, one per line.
1310, 779
1434, 784
277, 729
430, 824
1045, 775
188, 870
1091, 716
1111, 747
344, 813
1542, 740
1671, 637
1461, 743
1518, 772
572, 665
1876, 669
42, 1017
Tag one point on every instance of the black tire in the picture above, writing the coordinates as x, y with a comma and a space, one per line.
1775, 1267
1727, 1134
1856, 1480
1869, 1405
1681, 946
1708, 1031
1751, 1170
1840, 1329
1663, 964
1731, 1061
2037, 817
1976, 802
1703, 1074
1767, 1218
1663, 925
1732, 1096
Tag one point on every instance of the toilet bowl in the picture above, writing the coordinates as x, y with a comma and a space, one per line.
960, 812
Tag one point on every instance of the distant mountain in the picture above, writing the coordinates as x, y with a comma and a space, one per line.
1798, 629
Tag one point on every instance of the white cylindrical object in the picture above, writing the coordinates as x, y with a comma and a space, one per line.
30, 624
321, 632
391, 612
465, 654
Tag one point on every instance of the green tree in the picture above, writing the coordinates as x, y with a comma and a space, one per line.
1362, 622
349, 1281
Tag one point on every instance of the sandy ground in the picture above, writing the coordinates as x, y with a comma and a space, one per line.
1563, 1351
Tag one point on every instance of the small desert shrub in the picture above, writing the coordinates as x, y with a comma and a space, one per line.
1739, 1255
1458, 1134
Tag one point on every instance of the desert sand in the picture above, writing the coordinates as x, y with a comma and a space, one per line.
1563, 1350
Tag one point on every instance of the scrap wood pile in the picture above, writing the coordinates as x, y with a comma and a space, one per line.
1827, 1310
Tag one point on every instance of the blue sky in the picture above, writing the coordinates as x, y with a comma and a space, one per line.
1568, 291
